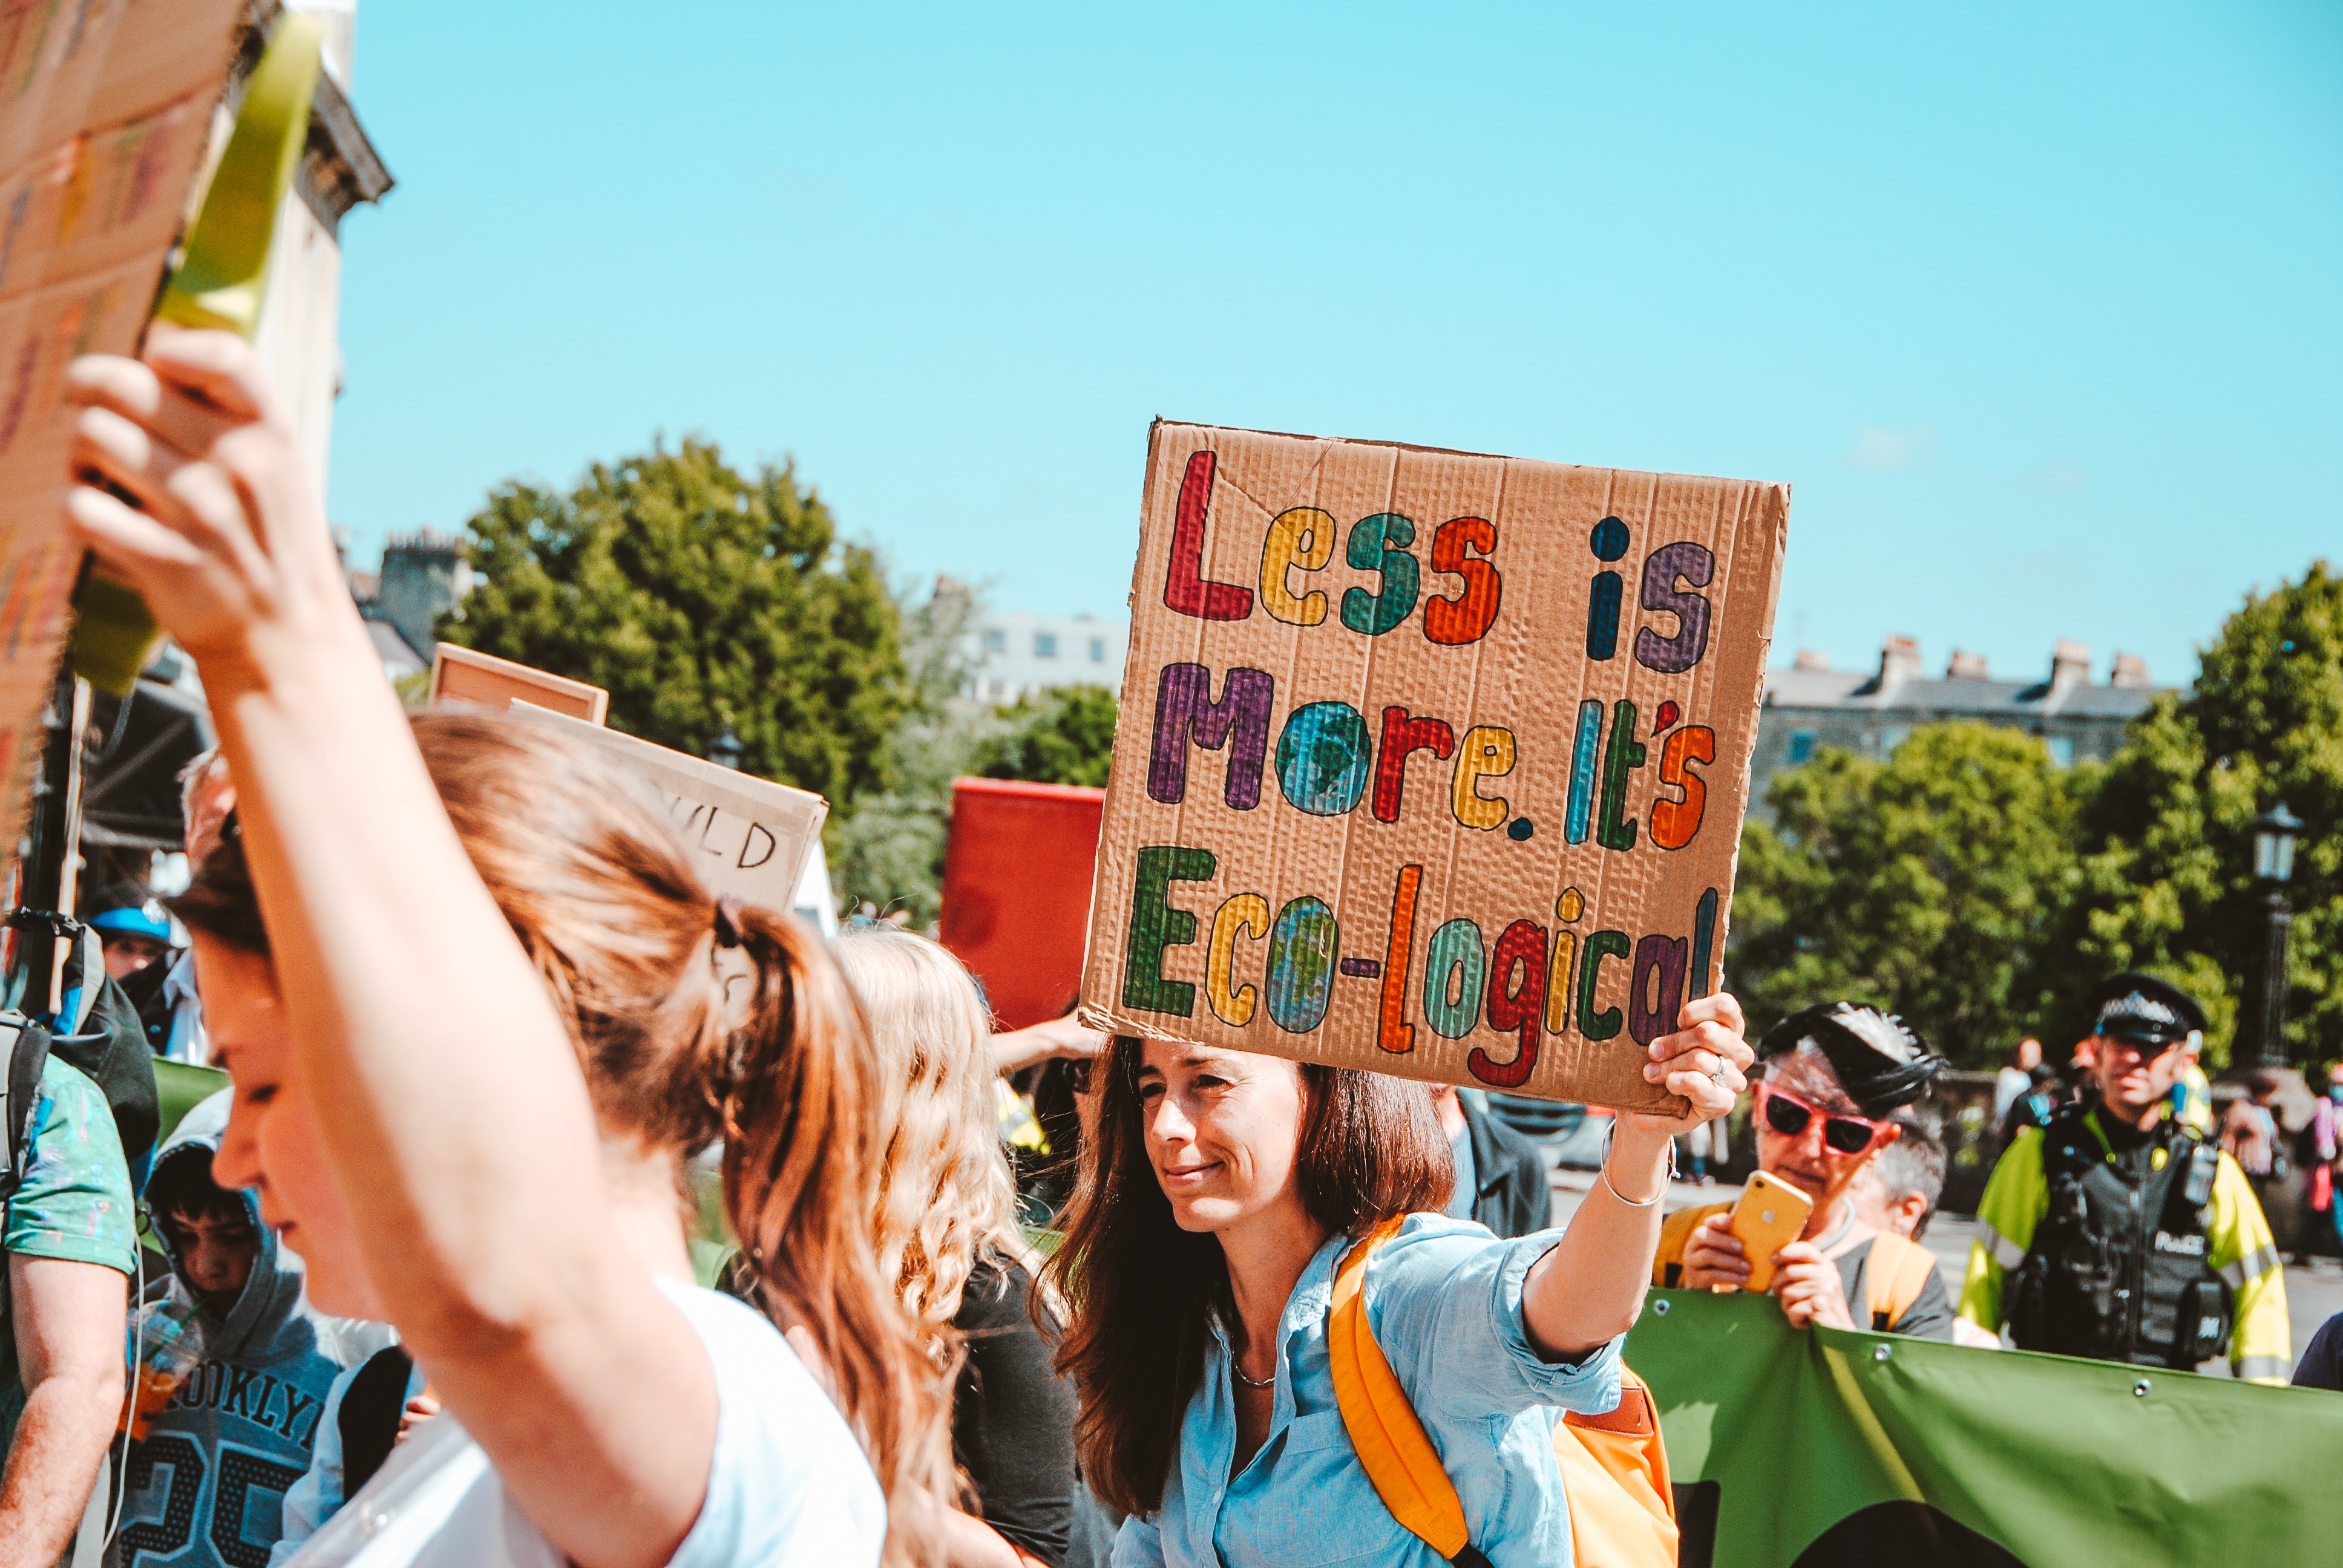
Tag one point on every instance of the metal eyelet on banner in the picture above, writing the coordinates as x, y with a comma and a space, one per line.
1660, 1307
1879, 1352
2139, 1389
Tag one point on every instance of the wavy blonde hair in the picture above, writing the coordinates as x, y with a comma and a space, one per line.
945, 1192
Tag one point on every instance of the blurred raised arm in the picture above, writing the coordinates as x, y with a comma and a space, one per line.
459, 1132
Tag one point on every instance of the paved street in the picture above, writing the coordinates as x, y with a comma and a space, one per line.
2314, 1292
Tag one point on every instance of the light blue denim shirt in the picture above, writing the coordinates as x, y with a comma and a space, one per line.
1444, 1300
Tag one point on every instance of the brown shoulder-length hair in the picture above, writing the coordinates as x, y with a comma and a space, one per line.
624, 935
1141, 1291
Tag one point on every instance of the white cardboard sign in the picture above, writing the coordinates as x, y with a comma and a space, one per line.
750, 837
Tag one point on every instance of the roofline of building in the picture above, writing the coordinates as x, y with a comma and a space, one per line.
1897, 685
340, 148
2042, 710
1868, 693
340, 168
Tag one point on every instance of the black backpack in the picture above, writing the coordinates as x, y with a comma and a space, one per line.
110, 1049
119, 1063
371, 1408
27, 1047
112, 1052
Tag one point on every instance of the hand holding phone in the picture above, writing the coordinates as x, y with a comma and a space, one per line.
1810, 1289
1712, 1260
1770, 1215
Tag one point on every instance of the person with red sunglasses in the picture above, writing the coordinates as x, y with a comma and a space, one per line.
1838, 1084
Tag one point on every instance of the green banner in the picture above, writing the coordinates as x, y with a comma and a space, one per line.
179, 1089
1825, 1448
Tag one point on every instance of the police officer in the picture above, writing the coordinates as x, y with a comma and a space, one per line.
2117, 1232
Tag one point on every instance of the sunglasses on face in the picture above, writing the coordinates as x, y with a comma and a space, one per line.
1788, 1115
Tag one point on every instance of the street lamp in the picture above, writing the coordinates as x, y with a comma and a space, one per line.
726, 750
2273, 834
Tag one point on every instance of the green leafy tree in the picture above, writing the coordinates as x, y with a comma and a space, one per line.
889, 853
701, 599
2167, 880
1925, 883
1061, 737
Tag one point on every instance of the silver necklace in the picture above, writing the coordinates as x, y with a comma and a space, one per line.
1238, 1373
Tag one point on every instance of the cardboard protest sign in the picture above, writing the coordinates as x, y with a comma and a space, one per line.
1018, 868
462, 674
750, 837
105, 112
1429, 762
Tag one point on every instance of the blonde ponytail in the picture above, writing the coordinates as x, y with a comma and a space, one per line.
800, 1104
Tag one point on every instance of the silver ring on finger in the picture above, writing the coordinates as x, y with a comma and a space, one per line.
1717, 1074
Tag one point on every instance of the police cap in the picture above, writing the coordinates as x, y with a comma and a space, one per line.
2144, 1011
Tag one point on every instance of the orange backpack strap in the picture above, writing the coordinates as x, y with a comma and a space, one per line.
1675, 1231
1614, 1472
1393, 1446
1614, 1468
1893, 1278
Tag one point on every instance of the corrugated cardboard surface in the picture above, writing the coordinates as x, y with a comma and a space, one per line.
1017, 870
104, 113
1528, 674
464, 675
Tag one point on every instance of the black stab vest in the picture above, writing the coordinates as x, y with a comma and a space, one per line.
2118, 1270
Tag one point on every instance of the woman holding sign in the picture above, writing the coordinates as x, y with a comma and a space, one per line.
470, 996
1210, 1250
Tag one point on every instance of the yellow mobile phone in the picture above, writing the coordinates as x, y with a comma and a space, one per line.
1768, 1218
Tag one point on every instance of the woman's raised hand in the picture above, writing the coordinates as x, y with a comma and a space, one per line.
189, 485
1702, 1061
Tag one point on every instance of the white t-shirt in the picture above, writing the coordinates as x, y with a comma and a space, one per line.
2008, 1084
788, 1485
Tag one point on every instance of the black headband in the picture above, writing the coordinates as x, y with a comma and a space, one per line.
1878, 1082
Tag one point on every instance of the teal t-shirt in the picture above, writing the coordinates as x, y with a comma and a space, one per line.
74, 1203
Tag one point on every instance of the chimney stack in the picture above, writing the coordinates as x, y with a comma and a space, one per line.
2130, 672
2070, 666
1810, 659
424, 576
1966, 667
1899, 661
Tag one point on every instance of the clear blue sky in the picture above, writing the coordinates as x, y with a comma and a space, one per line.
2040, 308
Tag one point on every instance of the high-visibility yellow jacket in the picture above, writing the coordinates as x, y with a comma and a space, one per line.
2238, 1249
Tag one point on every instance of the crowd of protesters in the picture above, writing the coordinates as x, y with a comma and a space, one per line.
473, 1001
428, 1291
